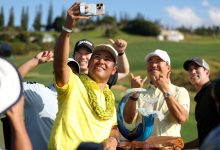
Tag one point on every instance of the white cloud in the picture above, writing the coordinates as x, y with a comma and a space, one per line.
184, 16
205, 3
214, 15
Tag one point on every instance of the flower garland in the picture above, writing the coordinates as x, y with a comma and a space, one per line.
90, 85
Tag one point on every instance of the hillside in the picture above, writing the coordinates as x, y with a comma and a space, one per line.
138, 47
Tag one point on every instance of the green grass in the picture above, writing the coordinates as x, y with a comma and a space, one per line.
138, 47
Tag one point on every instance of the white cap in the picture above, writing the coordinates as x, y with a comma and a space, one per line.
10, 85
108, 48
160, 53
73, 64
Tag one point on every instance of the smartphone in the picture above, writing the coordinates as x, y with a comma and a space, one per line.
92, 9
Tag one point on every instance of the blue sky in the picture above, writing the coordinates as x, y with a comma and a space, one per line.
171, 13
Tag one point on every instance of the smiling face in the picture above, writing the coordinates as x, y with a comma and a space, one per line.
82, 56
156, 66
197, 75
101, 66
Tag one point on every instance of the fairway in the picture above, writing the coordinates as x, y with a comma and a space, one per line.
138, 47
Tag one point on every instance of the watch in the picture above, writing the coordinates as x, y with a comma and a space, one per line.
167, 94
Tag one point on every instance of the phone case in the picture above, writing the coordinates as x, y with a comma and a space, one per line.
92, 9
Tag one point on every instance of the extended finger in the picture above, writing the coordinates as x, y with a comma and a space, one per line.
111, 41
154, 78
144, 79
131, 74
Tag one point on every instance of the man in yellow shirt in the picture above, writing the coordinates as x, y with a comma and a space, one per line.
86, 105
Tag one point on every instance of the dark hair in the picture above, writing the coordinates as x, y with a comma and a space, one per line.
5, 50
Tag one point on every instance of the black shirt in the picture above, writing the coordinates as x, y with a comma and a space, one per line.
112, 80
206, 113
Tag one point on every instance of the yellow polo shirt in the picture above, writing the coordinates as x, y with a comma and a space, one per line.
75, 121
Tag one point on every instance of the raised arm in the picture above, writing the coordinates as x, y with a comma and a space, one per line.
41, 57
179, 111
130, 106
20, 139
62, 47
123, 64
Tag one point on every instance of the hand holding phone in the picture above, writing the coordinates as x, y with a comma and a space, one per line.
92, 9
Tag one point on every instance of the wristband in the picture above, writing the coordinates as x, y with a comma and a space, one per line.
120, 54
67, 30
133, 98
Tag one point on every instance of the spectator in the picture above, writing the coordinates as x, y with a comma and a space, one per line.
206, 114
173, 101
213, 139
83, 50
11, 94
40, 107
86, 104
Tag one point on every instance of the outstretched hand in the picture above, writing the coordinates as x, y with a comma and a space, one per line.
44, 57
137, 81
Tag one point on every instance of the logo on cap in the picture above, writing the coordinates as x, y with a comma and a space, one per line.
84, 42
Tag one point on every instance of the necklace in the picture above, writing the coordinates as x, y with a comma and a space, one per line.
90, 85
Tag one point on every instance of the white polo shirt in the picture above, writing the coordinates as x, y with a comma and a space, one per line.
40, 112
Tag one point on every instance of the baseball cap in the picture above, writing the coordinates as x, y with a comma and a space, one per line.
10, 85
160, 53
108, 48
73, 64
84, 43
199, 61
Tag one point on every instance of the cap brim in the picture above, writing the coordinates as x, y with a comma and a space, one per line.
186, 64
108, 49
10, 85
85, 46
150, 55
74, 65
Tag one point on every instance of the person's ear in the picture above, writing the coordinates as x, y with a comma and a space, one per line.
208, 72
169, 71
114, 70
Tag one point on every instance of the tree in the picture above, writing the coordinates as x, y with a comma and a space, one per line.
108, 20
142, 27
11, 18
58, 23
124, 18
24, 19
37, 20
185, 29
49, 18
2, 19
